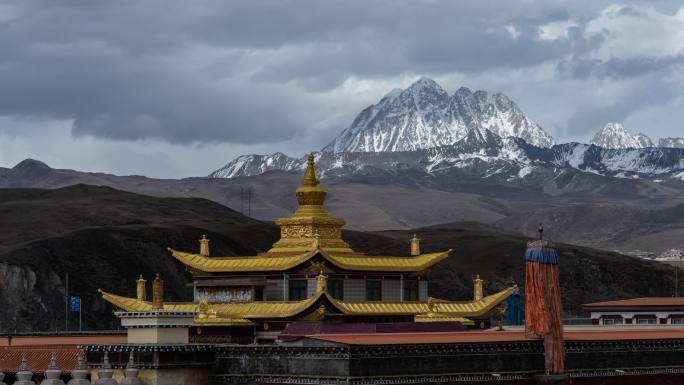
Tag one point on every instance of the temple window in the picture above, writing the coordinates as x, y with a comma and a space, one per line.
373, 290
298, 289
410, 290
336, 288
646, 320
677, 320
612, 320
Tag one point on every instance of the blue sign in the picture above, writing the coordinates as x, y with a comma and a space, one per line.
75, 303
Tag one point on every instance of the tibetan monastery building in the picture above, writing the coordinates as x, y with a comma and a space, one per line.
312, 274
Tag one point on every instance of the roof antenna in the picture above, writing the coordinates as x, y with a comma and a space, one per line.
541, 231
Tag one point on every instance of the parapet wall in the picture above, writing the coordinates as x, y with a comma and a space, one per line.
510, 363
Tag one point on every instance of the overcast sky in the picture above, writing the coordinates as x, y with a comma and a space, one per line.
169, 88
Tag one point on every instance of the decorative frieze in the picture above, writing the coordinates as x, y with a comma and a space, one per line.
223, 294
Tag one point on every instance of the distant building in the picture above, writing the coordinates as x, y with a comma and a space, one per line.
638, 311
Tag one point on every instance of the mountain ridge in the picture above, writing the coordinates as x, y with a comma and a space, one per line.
615, 136
487, 147
671, 142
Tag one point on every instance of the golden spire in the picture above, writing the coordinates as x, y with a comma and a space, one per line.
141, 289
310, 177
477, 289
415, 245
158, 293
204, 246
310, 227
310, 195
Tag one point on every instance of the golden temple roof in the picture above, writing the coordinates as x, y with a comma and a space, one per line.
279, 263
454, 308
243, 313
134, 305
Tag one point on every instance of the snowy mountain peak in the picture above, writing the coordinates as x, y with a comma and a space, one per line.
425, 116
614, 135
671, 142
425, 82
253, 164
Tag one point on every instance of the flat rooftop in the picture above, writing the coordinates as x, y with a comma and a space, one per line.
574, 334
53, 340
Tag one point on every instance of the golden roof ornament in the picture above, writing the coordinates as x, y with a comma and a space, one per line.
310, 195
204, 246
321, 283
141, 289
432, 306
158, 293
203, 309
415, 245
310, 228
478, 291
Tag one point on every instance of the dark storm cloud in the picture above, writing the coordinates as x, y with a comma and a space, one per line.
381, 39
255, 71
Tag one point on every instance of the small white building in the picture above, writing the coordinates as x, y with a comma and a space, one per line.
638, 311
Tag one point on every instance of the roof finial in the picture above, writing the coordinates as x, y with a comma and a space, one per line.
141, 289
321, 283
432, 306
53, 361
415, 245
80, 372
540, 229
52, 373
23, 366
131, 372
310, 177
478, 291
158, 293
204, 246
24, 374
105, 372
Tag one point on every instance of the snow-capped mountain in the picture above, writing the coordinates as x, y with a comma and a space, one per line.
424, 129
245, 165
487, 156
671, 142
424, 116
616, 136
